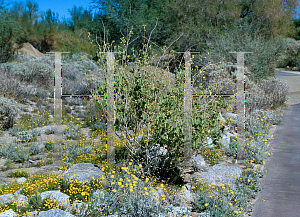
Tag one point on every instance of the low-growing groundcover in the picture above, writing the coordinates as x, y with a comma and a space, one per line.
128, 189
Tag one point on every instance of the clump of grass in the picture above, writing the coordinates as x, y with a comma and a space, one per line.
18, 174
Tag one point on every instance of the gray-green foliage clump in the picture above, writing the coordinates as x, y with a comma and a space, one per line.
24, 136
8, 110
261, 63
290, 57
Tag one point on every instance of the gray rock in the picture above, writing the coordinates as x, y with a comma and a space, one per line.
22, 179
84, 172
60, 198
31, 214
9, 213
220, 174
225, 141
54, 213
197, 161
8, 198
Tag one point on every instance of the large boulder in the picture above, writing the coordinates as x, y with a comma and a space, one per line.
9, 213
15, 197
84, 173
54, 213
60, 198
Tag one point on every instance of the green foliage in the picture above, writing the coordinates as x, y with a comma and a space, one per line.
11, 33
24, 136
8, 111
8, 165
18, 174
34, 149
50, 131
261, 62
17, 153
143, 97
49, 145
72, 132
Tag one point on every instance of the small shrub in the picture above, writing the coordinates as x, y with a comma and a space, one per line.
16, 129
36, 132
49, 145
99, 125
8, 111
17, 153
42, 163
72, 132
24, 136
34, 149
8, 165
50, 131
18, 174
50, 155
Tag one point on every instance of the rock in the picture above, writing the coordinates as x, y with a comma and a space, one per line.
22, 179
295, 69
9, 213
79, 207
54, 213
197, 161
220, 174
31, 214
60, 198
9, 198
83, 172
225, 141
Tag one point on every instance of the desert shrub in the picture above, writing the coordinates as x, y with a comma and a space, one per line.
36, 71
8, 110
16, 129
49, 145
99, 125
72, 132
275, 90
50, 131
265, 52
35, 132
18, 174
290, 57
24, 136
10, 86
17, 153
71, 151
34, 149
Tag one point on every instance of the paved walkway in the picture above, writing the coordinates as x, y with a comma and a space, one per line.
281, 184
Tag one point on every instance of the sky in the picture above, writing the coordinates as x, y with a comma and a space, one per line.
61, 6
57, 6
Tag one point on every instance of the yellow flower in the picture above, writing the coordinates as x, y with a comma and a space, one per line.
140, 165
114, 190
206, 204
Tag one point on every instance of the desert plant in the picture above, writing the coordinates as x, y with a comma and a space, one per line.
18, 174
24, 136
8, 110
49, 145
265, 52
50, 131
72, 132
143, 97
17, 153
34, 149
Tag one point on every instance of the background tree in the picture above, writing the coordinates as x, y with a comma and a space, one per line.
10, 33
